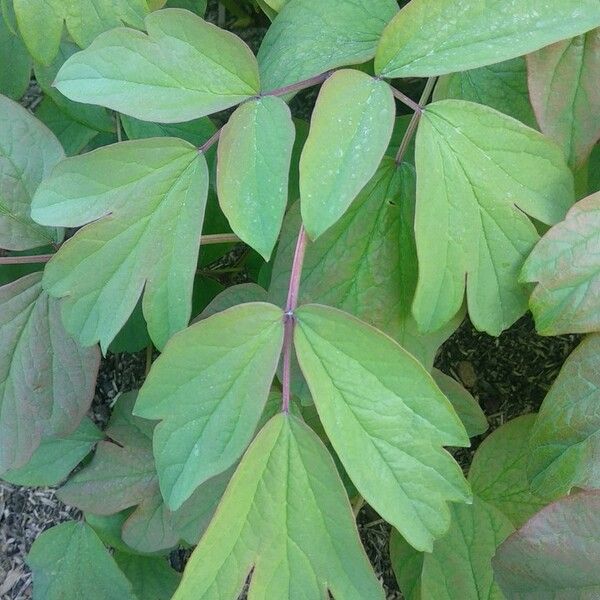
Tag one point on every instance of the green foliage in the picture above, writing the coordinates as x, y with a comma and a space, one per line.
305, 380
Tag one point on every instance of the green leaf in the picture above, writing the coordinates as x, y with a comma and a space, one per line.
386, 419
255, 151
195, 132
28, 151
555, 555
46, 379
434, 37
563, 83
232, 296
41, 24
141, 75
308, 38
152, 578
228, 361
69, 561
565, 266
147, 199
94, 117
196, 6
16, 71
350, 129
72, 135
10, 273
407, 564
459, 568
498, 473
285, 517
56, 457
466, 407
133, 337
122, 475
483, 173
359, 266
502, 86
565, 441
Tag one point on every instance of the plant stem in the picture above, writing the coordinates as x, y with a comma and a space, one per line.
301, 85
205, 240
282, 91
406, 100
289, 319
414, 122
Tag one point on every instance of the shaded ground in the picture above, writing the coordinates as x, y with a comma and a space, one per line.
509, 375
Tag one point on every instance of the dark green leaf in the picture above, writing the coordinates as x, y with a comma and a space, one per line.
308, 38
502, 86
56, 457
498, 473
152, 578
69, 561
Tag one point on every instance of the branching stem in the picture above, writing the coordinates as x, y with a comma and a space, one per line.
289, 318
414, 122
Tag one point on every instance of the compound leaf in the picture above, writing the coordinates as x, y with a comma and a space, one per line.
41, 24
350, 130
480, 174
46, 379
434, 37
70, 561
565, 440
56, 457
255, 151
28, 151
460, 568
554, 556
149, 197
565, 264
502, 86
210, 387
498, 472
386, 419
359, 266
563, 84
285, 516
183, 69
308, 38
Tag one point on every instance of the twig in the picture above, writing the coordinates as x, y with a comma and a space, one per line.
414, 122
406, 100
205, 240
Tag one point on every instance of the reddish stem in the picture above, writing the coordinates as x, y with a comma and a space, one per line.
406, 100
289, 319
